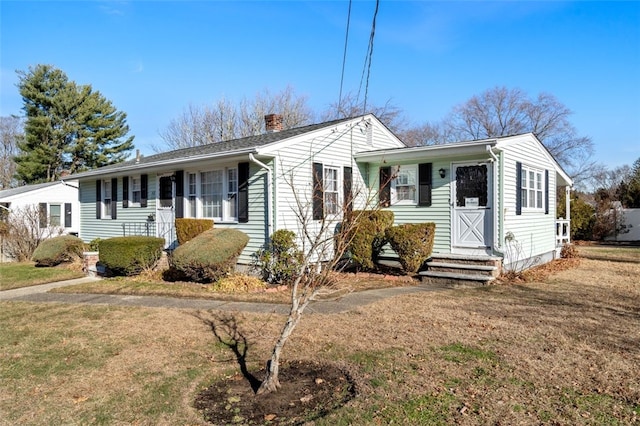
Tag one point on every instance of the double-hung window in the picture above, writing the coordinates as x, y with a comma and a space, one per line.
55, 215
531, 189
136, 191
403, 185
106, 199
213, 194
331, 190
192, 194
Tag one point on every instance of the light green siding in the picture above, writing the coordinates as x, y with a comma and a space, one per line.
92, 228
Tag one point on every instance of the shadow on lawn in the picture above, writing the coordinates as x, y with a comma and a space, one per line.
225, 329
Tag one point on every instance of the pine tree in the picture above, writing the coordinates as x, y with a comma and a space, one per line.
68, 127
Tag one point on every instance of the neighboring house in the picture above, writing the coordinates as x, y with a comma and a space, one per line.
248, 183
56, 202
494, 197
487, 197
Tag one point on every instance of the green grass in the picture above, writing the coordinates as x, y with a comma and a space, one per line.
16, 275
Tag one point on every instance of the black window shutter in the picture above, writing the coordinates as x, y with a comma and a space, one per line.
318, 192
98, 199
179, 194
42, 215
518, 188
546, 192
114, 198
144, 182
67, 215
425, 171
385, 187
243, 192
125, 192
347, 188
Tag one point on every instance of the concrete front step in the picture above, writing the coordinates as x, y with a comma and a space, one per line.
466, 259
490, 271
452, 279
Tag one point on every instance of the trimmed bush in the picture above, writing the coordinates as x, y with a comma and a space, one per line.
187, 229
368, 236
57, 250
279, 262
130, 255
413, 242
211, 255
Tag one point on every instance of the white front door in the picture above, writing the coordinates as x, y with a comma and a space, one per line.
165, 212
472, 215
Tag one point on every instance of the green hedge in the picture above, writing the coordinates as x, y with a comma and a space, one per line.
281, 260
57, 250
130, 255
187, 229
367, 236
413, 242
209, 256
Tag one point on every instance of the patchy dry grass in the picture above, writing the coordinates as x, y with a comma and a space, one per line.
610, 252
25, 274
563, 350
142, 286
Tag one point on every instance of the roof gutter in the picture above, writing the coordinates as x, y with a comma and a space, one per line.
269, 224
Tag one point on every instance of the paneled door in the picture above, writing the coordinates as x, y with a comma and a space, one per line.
472, 215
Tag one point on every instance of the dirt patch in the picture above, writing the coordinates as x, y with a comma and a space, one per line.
309, 390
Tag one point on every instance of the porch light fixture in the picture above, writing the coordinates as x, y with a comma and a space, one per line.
442, 173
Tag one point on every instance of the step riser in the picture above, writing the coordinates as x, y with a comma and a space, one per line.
487, 262
488, 274
452, 283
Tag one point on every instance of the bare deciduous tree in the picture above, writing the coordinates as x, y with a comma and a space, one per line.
502, 112
11, 133
350, 106
24, 229
225, 121
324, 243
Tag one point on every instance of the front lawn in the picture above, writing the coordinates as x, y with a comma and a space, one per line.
561, 350
24, 274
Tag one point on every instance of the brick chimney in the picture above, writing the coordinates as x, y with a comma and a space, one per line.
273, 122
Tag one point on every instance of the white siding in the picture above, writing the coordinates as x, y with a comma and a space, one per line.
58, 193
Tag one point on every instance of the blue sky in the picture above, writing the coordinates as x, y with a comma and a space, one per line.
154, 58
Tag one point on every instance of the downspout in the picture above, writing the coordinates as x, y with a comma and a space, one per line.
498, 201
269, 194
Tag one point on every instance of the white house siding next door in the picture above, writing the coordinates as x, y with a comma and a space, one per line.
165, 211
472, 212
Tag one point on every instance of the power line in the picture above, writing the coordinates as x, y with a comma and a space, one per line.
367, 61
344, 58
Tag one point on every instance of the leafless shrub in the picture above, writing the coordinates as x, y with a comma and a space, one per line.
25, 228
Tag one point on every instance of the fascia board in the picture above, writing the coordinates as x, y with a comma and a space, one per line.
431, 151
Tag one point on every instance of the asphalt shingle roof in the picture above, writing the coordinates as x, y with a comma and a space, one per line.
223, 147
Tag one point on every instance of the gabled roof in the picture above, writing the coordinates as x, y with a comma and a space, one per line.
6, 193
217, 149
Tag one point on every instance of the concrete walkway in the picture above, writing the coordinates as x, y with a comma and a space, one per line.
39, 294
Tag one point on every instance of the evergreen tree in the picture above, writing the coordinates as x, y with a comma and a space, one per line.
68, 127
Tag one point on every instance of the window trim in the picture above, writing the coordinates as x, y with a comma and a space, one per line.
325, 191
107, 190
60, 215
538, 191
197, 197
396, 171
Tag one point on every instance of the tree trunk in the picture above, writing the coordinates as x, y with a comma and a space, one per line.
271, 382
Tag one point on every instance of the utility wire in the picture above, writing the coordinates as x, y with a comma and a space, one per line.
344, 59
373, 32
367, 62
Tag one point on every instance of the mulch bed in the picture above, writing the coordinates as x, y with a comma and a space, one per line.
309, 390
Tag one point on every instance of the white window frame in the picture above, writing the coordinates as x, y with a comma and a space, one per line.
227, 211
133, 190
532, 189
106, 195
402, 178
331, 190
60, 214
